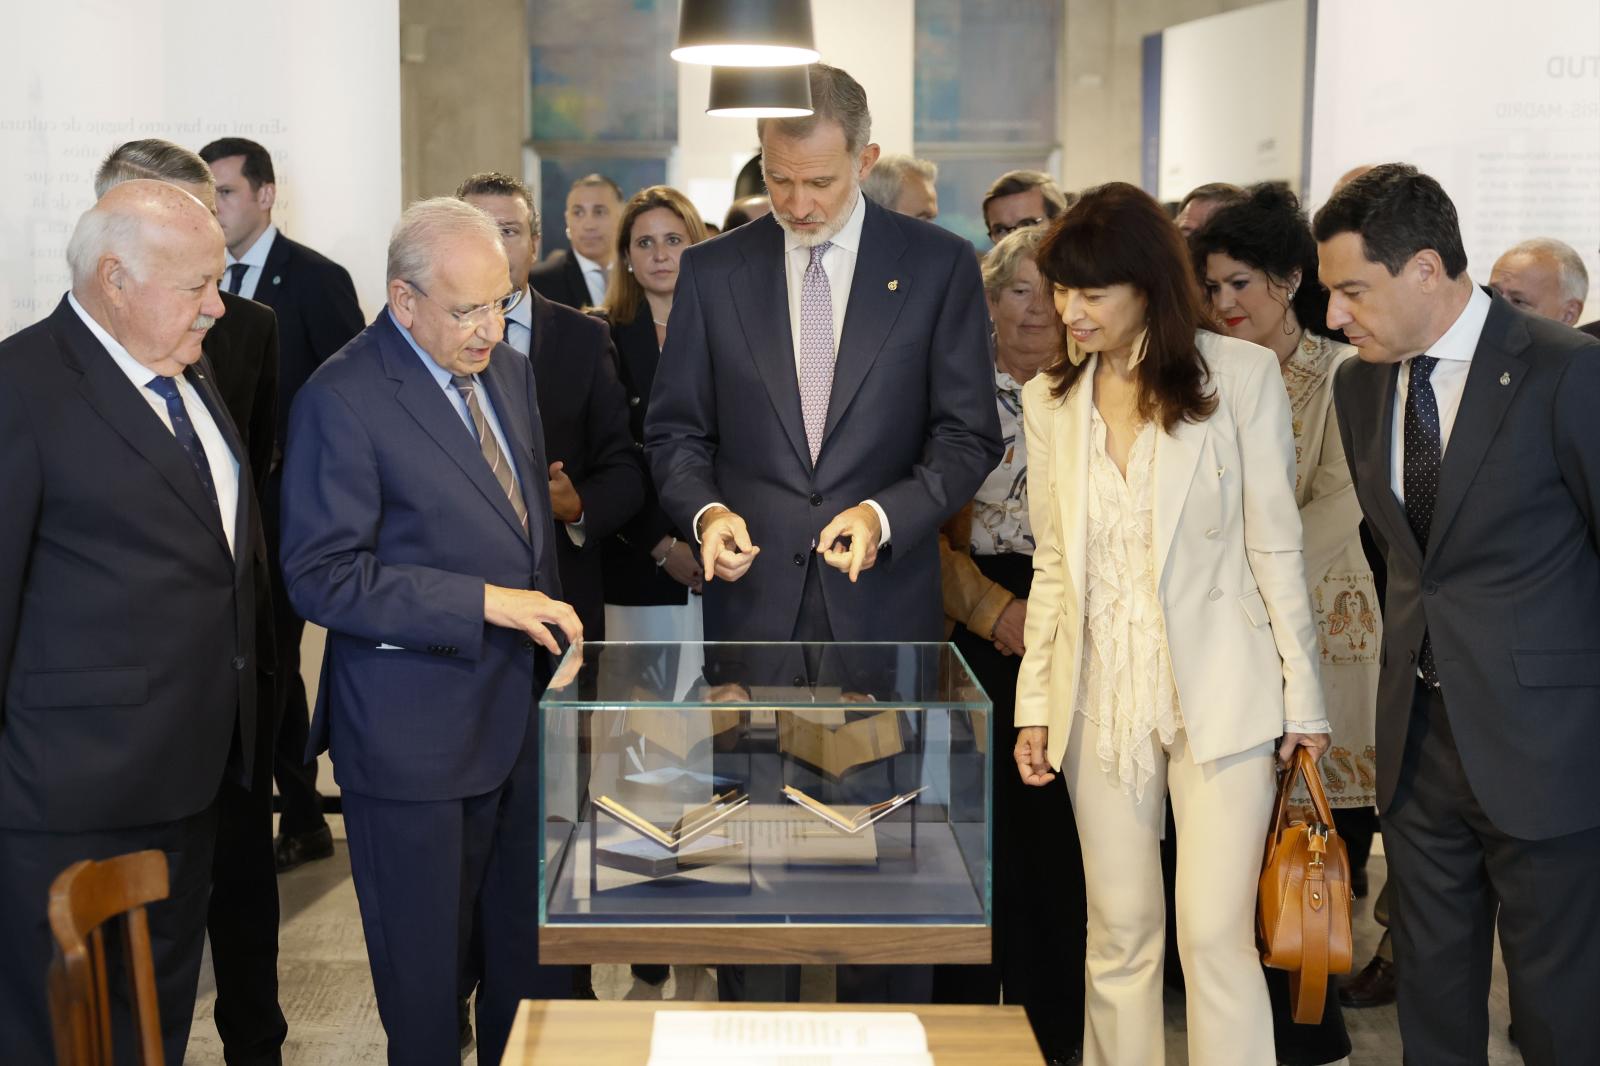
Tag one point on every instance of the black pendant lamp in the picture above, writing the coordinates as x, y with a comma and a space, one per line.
746, 33
760, 92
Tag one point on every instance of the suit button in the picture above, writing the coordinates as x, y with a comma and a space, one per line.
238, 662
816, 499
1213, 534
633, 401
799, 559
798, 681
1430, 588
527, 642
1215, 594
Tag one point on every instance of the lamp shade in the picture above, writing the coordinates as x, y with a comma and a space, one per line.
760, 92
746, 33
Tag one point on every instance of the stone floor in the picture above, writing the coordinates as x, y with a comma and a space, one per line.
327, 991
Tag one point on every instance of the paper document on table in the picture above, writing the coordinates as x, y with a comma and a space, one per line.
788, 1038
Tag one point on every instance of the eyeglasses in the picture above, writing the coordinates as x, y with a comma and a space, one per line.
477, 316
999, 230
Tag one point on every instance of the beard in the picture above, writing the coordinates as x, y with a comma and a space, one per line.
825, 232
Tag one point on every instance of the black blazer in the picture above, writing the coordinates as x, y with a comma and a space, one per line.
1592, 329
317, 310
1508, 586
585, 427
127, 643
632, 577
560, 278
243, 351
911, 422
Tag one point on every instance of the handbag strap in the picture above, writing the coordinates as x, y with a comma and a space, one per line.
1308, 985
1306, 764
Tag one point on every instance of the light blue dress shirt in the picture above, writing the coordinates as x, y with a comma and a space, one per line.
442, 376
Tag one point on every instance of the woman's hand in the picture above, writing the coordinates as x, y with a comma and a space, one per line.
1032, 762
1318, 743
1009, 628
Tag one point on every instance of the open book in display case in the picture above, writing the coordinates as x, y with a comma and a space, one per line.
765, 803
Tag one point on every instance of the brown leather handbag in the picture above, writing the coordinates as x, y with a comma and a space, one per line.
1303, 919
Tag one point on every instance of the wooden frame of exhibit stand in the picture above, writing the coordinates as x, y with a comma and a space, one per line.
589, 1033
766, 943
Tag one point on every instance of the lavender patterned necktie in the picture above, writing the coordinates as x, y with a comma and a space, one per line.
816, 348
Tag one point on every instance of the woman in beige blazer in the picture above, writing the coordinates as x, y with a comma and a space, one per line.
1170, 641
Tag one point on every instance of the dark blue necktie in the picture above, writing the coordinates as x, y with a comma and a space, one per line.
1420, 471
183, 429
236, 273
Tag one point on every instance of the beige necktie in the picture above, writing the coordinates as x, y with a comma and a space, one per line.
499, 466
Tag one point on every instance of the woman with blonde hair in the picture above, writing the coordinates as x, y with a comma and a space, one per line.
1170, 642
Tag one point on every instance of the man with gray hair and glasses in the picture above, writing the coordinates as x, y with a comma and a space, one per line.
417, 529
904, 184
128, 539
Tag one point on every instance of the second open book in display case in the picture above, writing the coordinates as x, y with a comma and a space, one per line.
749, 786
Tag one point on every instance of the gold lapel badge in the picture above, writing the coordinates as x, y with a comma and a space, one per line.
1505, 379
894, 285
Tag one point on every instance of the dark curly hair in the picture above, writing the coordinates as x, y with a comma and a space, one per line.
1117, 234
1268, 230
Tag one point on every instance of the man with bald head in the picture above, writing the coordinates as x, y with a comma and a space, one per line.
417, 529
127, 610
1544, 277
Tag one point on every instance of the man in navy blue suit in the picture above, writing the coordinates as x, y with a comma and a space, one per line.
824, 402
417, 530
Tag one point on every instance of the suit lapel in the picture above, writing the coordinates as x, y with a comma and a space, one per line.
640, 353
436, 413
107, 389
204, 381
761, 300
575, 279
272, 271
871, 311
1492, 382
1372, 419
1071, 479
1177, 455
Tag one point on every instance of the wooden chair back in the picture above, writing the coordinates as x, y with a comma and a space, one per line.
85, 897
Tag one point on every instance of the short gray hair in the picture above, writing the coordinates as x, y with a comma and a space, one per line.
835, 96
887, 179
1001, 263
1574, 275
101, 232
155, 159
424, 226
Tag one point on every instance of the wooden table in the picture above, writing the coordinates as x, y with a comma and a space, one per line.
611, 1033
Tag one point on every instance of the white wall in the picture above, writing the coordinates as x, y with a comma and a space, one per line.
1502, 107
1233, 98
316, 83
872, 39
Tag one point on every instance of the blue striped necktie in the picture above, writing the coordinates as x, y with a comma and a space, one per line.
183, 429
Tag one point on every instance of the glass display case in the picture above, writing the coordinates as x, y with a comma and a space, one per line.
765, 803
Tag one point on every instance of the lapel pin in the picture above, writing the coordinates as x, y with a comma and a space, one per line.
1505, 379
894, 285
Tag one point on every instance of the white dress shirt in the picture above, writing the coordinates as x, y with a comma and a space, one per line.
839, 263
1449, 379
224, 465
594, 276
255, 261
519, 324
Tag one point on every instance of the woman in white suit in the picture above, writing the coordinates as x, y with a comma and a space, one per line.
1170, 642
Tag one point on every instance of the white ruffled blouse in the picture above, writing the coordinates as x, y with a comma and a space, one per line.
1126, 686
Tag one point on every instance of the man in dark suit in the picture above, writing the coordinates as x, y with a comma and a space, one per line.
315, 302
1472, 440
417, 529
242, 352
127, 610
578, 277
813, 451
597, 482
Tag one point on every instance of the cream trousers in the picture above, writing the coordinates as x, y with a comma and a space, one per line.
1221, 809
